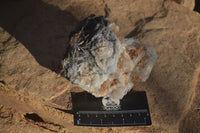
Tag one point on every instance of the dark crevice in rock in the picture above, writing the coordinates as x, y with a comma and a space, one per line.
2, 81
33, 116
107, 10
152, 30
5, 42
139, 26
197, 6
37, 120
48, 129
178, 1
66, 111
138, 31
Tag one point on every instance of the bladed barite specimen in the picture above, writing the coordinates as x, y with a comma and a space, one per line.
100, 63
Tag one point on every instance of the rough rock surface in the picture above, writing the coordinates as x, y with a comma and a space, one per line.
33, 38
187, 3
99, 63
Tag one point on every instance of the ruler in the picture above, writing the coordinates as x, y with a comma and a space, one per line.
88, 111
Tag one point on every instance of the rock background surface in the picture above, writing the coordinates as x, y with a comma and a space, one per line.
186, 3
33, 38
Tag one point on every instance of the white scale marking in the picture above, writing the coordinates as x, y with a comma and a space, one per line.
78, 121
105, 115
110, 112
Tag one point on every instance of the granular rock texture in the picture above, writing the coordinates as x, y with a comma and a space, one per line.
186, 3
98, 62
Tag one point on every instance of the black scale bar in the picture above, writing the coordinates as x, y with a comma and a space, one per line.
112, 118
89, 112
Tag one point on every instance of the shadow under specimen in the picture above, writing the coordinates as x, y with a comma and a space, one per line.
42, 28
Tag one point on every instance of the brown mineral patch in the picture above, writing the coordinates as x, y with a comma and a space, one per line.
119, 63
123, 62
115, 82
134, 52
126, 74
142, 61
104, 87
135, 78
126, 77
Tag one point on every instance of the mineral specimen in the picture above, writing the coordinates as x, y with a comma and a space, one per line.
103, 65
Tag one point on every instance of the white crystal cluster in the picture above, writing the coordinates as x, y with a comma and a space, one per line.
100, 63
